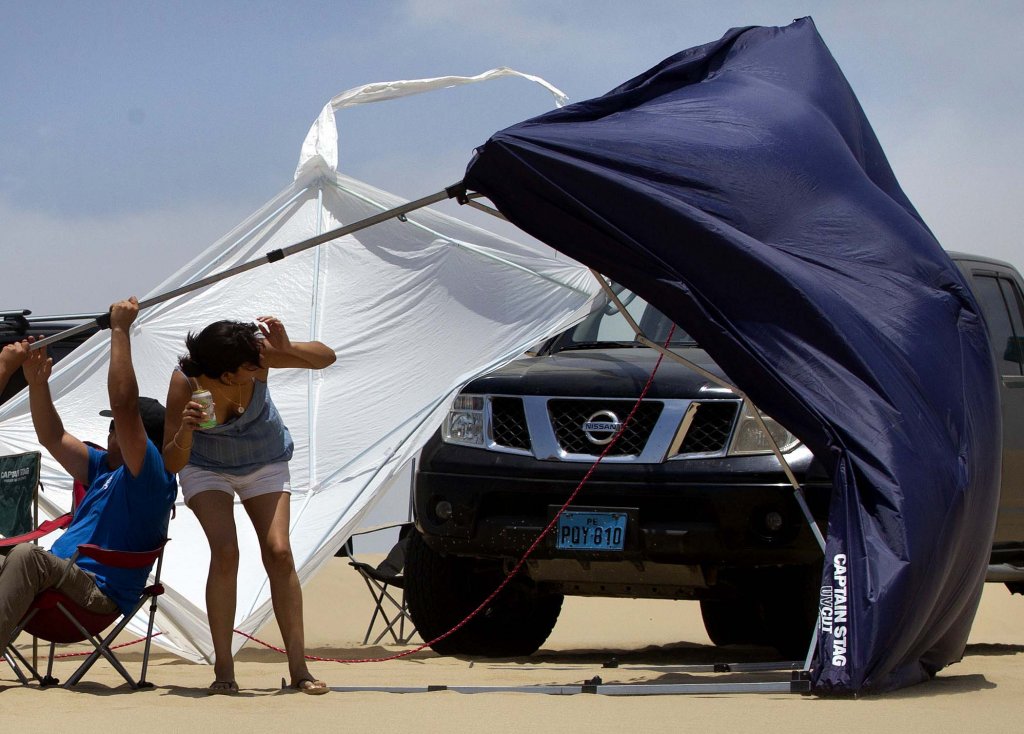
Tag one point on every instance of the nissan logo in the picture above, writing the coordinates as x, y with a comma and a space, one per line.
601, 427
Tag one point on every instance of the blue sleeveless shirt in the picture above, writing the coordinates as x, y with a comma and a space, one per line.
253, 439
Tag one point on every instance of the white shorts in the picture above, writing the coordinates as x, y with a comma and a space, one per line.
266, 479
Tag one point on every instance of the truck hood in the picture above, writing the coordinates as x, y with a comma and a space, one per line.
602, 373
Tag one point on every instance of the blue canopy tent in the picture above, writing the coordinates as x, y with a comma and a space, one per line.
739, 187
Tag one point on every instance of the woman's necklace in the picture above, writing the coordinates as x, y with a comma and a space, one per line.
239, 408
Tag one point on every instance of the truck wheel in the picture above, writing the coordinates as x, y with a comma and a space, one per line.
733, 621
443, 590
790, 599
775, 607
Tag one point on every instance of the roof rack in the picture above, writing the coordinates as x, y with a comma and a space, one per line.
16, 319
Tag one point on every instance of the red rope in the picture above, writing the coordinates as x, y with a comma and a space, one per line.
115, 647
529, 551
502, 585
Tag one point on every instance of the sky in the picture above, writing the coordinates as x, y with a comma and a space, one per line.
134, 134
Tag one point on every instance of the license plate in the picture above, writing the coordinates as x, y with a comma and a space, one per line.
598, 531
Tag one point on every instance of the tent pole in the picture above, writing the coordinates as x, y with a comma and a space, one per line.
488, 209
467, 198
103, 320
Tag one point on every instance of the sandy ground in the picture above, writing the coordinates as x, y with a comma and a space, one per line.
650, 640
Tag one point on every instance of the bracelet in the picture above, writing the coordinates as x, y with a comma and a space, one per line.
174, 440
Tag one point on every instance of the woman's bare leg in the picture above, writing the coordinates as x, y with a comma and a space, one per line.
215, 512
270, 517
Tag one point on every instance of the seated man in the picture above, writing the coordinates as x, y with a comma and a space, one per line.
127, 505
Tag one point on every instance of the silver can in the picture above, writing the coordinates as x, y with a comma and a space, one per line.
205, 398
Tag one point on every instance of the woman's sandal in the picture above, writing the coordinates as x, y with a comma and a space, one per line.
222, 688
309, 685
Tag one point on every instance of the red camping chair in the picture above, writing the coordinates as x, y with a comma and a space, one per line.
58, 620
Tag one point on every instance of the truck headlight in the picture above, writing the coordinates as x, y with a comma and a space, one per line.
465, 422
750, 438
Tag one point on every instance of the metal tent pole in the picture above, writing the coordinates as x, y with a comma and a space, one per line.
797, 685
103, 320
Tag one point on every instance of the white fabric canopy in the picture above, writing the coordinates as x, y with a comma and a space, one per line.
413, 309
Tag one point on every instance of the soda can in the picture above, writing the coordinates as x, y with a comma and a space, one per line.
205, 398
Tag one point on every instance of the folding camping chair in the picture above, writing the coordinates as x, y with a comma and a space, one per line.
19, 487
59, 620
389, 608
55, 618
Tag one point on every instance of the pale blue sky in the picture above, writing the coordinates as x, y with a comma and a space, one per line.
134, 134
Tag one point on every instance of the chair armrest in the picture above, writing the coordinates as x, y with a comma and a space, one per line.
346, 550
121, 559
45, 528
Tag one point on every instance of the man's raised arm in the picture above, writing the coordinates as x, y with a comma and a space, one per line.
123, 388
69, 452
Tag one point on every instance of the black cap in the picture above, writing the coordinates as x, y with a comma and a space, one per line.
152, 413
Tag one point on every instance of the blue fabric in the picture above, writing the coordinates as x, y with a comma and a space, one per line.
254, 439
121, 512
739, 188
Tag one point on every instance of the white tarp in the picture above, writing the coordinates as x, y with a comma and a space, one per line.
413, 309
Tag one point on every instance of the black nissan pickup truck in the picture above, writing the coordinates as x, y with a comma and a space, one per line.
690, 503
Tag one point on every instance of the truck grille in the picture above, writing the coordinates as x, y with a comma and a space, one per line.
712, 425
568, 417
558, 427
508, 423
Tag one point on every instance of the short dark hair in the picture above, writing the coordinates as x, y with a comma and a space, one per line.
221, 347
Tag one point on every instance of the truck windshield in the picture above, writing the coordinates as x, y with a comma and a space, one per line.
607, 327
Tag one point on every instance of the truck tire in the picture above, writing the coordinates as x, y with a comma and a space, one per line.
443, 590
733, 621
790, 599
776, 607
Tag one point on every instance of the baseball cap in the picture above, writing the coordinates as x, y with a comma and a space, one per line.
152, 413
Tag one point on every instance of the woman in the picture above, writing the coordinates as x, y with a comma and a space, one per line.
245, 453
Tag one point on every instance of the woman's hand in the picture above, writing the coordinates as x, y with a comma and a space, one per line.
274, 332
280, 351
191, 416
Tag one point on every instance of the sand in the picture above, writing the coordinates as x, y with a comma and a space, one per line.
650, 641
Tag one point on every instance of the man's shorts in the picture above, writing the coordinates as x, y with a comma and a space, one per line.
265, 480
